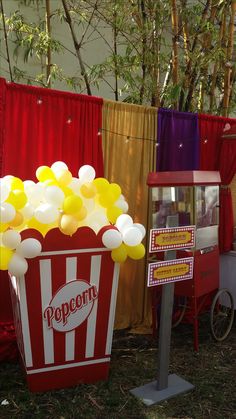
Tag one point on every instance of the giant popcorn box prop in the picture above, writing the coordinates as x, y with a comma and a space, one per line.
64, 309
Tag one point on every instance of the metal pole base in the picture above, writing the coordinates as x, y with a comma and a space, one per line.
151, 395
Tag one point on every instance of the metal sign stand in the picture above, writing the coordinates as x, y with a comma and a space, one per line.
166, 386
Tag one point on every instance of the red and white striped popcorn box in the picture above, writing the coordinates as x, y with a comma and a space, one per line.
64, 308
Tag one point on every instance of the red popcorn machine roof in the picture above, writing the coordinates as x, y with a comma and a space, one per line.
184, 178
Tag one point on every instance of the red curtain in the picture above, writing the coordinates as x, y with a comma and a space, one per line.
227, 171
210, 131
41, 126
217, 153
38, 127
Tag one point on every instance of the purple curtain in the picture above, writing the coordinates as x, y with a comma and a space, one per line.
177, 140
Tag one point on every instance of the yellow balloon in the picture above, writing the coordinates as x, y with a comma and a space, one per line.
88, 190
115, 190
81, 215
17, 198
107, 199
17, 221
3, 227
5, 257
113, 213
72, 204
119, 254
16, 183
44, 173
50, 182
68, 224
64, 177
101, 184
136, 252
67, 191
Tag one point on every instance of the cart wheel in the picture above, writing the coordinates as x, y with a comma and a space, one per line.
179, 308
222, 314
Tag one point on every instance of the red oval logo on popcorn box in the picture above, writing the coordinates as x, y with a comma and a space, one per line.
70, 306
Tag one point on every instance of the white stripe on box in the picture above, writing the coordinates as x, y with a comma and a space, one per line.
74, 251
46, 296
74, 365
112, 308
25, 322
92, 319
71, 274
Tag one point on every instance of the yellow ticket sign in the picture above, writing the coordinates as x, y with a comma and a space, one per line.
171, 238
170, 271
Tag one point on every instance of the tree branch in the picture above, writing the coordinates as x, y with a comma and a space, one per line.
77, 46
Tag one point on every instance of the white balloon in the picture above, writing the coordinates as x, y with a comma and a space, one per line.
29, 248
54, 195
27, 211
17, 265
94, 225
46, 213
7, 180
11, 239
122, 204
40, 190
89, 204
86, 173
112, 239
4, 190
58, 165
132, 236
123, 222
34, 195
96, 220
28, 185
7, 212
75, 185
141, 228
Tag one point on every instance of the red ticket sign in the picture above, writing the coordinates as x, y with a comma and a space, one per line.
170, 271
171, 238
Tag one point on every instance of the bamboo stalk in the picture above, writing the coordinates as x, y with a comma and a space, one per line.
206, 45
144, 48
228, 64
115, 53
185, 33
48, 31
155, 99
217, 64
6, 42
175, 31
77, 46
192, 72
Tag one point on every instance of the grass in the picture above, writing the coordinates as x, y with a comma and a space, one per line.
134, 362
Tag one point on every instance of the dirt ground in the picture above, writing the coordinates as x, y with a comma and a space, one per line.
212, 371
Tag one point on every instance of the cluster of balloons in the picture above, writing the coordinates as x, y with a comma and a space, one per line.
60, 200
14, 252
124, 238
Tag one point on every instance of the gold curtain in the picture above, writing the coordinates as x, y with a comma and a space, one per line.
129, 135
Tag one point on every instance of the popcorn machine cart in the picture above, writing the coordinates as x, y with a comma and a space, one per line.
191, 198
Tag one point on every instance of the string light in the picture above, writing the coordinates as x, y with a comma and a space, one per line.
128, 137
69, 120
39, 101
205, 141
